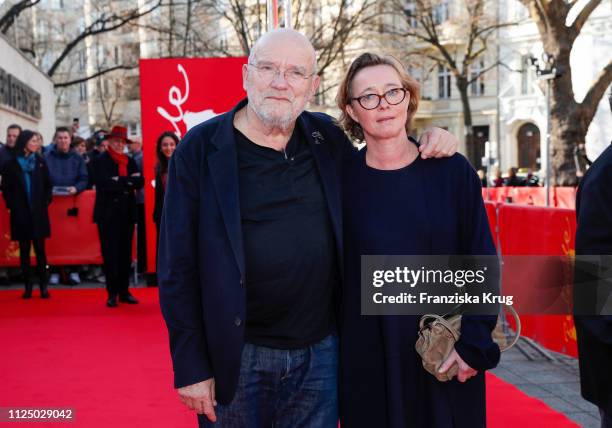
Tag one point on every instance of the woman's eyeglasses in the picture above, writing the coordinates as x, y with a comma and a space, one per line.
371, 101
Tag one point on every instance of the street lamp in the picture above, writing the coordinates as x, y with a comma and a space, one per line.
547, 70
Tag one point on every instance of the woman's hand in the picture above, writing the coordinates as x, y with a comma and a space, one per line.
465, 371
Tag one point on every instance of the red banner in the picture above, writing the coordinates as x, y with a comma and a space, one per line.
177, 94
560, 197
74, 238
541, 231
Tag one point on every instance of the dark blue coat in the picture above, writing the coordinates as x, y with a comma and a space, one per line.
5, 156
432, 207
67, 169
594, 237
201, 268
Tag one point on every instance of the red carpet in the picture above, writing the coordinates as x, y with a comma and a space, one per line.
113, 366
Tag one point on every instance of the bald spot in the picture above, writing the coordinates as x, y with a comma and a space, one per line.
283, 36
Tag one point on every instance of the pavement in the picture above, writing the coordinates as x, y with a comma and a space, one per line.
552, 378
548, 376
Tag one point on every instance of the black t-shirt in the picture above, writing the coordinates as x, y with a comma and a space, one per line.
289, 246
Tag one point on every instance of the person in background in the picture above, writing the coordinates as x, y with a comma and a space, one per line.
483, 177
79, 146
6, 154
512, 179
498, 181
27, 193
68, 177
532, 179
6, 149
166, 144
135, 151
116, 178
100, 145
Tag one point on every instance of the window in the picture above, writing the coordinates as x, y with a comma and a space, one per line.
520, 11
477, 88
527, 75
440, 12
133, 129
444, 82
116, 54
82, 60
83, 91
410, 12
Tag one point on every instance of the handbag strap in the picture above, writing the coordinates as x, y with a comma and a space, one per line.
441, 321
517, 333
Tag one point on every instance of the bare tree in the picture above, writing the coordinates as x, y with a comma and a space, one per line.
427, 26
11, 15
569, 118
330, 37
104, 23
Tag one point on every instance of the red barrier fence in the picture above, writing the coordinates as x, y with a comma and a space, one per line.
74, 239
517, 229
525, 230
560, 197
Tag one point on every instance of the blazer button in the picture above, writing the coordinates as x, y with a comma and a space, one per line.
238, 322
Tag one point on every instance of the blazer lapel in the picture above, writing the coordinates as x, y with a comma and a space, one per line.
223, 164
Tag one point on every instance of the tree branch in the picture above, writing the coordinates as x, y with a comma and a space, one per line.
8, 19
103, 24
596, 91
584, 15
93, 76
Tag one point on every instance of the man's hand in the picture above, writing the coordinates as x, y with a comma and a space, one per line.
438, 143
72, 190
200, 397
136, 174
465, 371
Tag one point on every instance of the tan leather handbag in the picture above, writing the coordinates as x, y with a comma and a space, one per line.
438, 335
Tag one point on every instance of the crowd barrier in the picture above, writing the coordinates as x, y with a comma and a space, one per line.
560, 197
529, 230
517, 230
74, 235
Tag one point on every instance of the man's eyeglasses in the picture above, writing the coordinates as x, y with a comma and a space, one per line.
293, 76
371, 101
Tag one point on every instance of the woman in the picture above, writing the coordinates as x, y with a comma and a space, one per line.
27, 192
395, 203
116, 178
79, 146
166, 144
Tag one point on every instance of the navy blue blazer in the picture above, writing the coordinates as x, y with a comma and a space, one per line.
201, 268
594, 237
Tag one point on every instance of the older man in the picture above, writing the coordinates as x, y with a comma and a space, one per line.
250, 255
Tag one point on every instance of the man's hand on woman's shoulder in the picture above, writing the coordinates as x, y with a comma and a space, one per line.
438, 143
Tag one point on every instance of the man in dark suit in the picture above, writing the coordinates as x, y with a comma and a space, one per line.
116, 178
250, 253
594, 250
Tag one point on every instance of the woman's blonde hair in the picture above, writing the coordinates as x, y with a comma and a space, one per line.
343, 98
